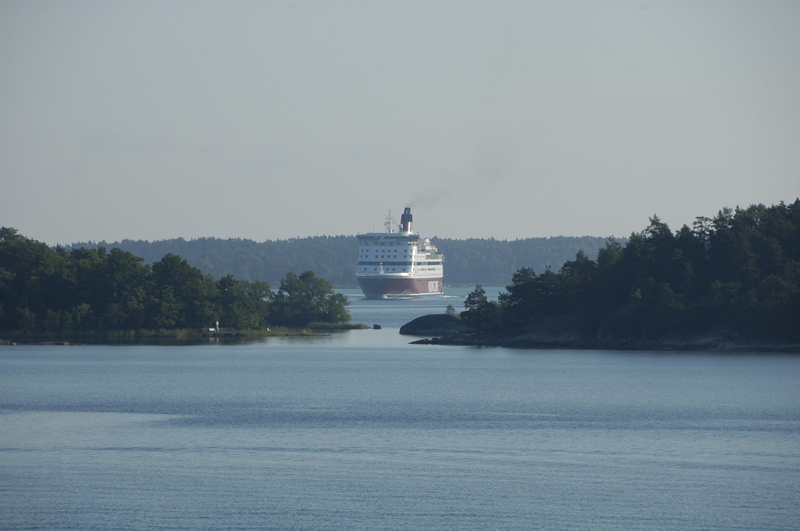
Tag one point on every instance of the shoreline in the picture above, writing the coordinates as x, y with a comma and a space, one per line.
640, 345
559, 333
179, 336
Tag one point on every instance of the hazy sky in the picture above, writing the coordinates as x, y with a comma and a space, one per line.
266, 120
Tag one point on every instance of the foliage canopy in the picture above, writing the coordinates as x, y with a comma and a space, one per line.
55, 290
738, 271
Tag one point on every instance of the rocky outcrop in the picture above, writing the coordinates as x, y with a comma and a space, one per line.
434, 325
561, 331
554, 331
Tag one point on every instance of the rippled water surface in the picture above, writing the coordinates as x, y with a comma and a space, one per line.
362, 431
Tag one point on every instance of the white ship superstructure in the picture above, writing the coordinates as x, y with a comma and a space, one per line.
399, 264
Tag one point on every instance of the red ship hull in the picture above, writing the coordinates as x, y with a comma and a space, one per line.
389, 288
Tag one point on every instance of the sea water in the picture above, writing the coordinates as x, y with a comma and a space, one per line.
360, 430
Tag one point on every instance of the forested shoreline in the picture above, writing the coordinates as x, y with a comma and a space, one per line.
53, 290
729, 277
489, 262
734, 275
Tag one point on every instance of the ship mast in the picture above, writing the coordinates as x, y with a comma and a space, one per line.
389, 223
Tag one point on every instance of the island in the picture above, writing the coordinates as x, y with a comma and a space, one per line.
91, 295
727, 283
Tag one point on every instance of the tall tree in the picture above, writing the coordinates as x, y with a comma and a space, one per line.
304, 299
193, 292
480, 313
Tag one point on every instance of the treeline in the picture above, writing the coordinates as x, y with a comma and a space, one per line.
485, 261
737, 272
56, 290
491, 262
330, 257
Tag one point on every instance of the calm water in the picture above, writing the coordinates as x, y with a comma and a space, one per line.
362, 431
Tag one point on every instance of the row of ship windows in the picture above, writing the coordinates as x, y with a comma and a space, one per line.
398, 269
400, 263
391, 244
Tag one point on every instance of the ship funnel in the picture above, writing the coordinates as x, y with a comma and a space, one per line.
405, 220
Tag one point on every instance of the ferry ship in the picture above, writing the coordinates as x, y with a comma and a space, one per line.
396, 264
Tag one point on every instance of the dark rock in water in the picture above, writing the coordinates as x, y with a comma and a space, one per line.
377, 327
439, 324
425, 341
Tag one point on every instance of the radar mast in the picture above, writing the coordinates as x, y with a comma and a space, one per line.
389, 223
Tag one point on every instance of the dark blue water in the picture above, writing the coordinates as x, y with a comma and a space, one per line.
362, 431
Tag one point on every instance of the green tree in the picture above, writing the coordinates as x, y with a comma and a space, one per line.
236, 309
304, 299
26, 269
121, 289
481, 314
192, 292
531, 296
